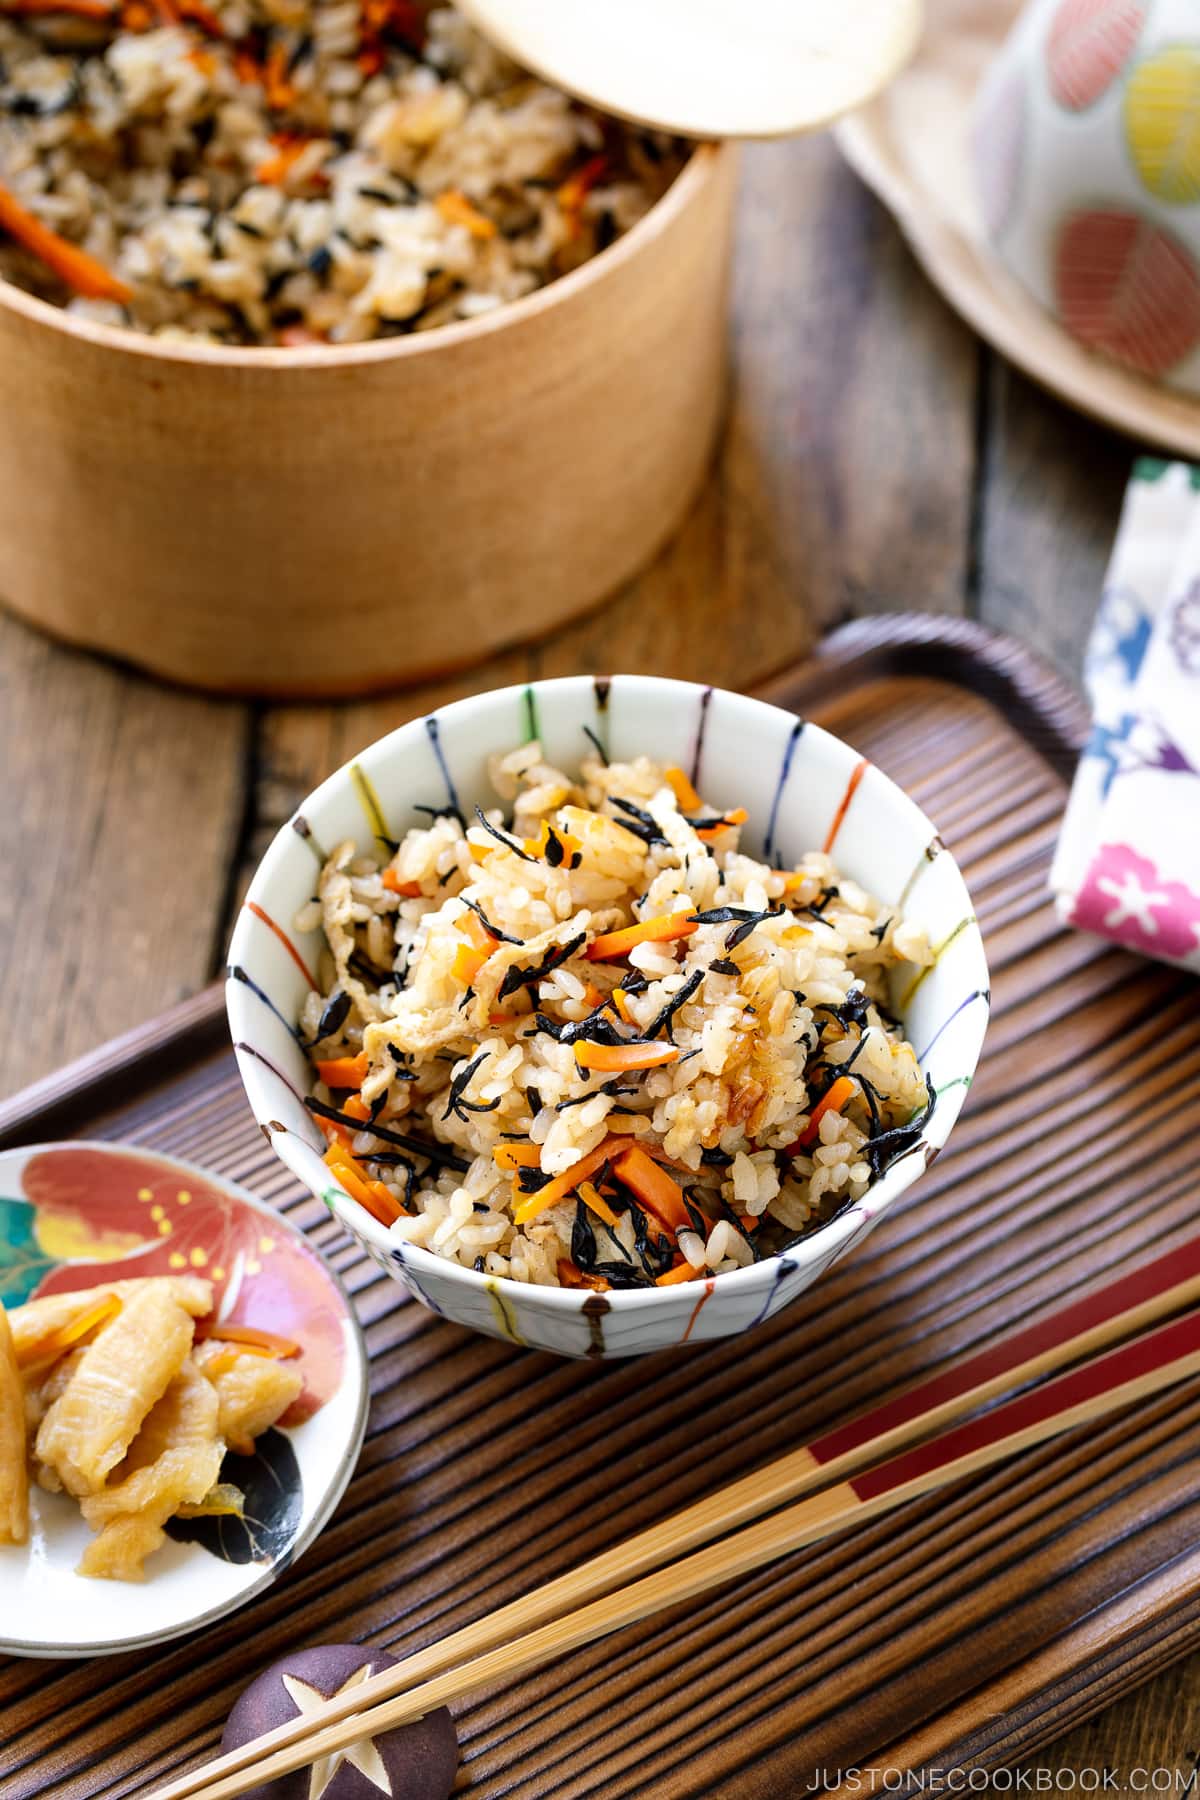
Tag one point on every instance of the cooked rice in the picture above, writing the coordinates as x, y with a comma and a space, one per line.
290, 171
457, 1047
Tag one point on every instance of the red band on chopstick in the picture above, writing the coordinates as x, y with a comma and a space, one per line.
1168, 1344
1179, 1265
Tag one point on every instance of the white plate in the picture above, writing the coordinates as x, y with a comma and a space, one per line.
74, 1214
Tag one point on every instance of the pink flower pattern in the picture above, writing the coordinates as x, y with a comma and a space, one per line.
1123, 897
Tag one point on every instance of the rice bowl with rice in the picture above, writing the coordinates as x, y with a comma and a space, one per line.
582, 1040
290, 172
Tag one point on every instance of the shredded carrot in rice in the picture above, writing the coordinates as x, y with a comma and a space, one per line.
653, 1187
572, 1276
623, 1058
517, 1156
572, 193
345, 1071
278, 89
392, 882
78, 9
832, 1101
378, 1200
456, 209
595, 1202
355, 1108
467, 963
738, 816
530, 1205
612, 944
686, 795
276, 169
73, 266
683, 1271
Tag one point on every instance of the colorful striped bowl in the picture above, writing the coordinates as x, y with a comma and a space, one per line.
803, 788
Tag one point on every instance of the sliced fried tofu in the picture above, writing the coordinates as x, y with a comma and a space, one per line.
122, 1373
174, 1461
40, 1327
14, 1476
253, 1391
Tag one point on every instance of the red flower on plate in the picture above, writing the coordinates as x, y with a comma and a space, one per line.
1125, 898
113, 1215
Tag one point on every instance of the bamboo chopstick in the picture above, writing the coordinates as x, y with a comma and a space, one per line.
1110, 1313
1168, 1354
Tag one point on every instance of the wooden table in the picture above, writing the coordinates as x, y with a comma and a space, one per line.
876, 457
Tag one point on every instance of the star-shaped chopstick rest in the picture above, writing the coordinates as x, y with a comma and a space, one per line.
415, 1762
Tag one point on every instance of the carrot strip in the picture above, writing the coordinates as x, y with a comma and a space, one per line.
372, 1196
55, 1342
595, 1202
341, 1134
622, 1005
467, 963
681, 1272
612, 944
571, 1275
738, 816
275, 171
278, 89
654, 1188
571, 846
572, 193
834, 1100
456, 209
259, 1343
71, 264
392, 882
623, 1058
79, 9
517, 1156
530, 1205
474, 929
689, 800
345, 1071
199, 14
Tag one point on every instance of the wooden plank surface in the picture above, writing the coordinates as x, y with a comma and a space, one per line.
944, 1632
875, 457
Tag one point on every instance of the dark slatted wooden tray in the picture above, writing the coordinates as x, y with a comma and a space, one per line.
971, 1627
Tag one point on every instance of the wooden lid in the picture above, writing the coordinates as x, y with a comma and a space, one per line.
710, 68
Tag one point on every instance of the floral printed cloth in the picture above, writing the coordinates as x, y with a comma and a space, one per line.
1128, 860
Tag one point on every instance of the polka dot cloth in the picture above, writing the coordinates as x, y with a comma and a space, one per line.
1086, 150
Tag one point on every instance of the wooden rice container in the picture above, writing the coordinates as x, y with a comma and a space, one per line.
327, 521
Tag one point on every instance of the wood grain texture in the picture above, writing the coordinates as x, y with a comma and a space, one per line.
122, 807
941, 1632
516, 466
1044, 465
862, 469
842, 485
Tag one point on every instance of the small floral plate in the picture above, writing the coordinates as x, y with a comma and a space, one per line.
75, 1214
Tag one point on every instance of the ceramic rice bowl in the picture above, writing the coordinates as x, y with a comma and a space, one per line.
796, 780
